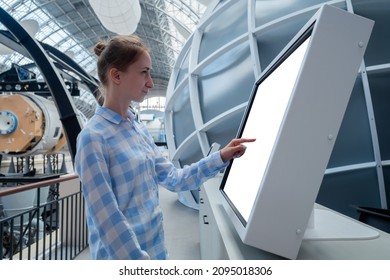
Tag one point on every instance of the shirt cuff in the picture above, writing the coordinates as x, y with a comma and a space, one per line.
218, 161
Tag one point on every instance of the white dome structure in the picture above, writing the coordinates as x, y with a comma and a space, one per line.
120, 17
217, 68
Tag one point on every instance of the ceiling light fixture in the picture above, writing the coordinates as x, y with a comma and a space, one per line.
119, 16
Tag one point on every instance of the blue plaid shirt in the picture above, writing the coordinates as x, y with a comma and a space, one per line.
120, 169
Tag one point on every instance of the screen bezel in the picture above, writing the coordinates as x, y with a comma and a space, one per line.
271, 68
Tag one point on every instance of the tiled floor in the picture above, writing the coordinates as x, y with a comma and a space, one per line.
181, 229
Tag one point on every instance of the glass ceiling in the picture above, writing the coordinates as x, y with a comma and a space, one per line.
71, 26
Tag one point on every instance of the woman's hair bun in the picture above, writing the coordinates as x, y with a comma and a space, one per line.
99, 47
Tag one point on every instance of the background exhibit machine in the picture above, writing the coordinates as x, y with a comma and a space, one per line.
295, 112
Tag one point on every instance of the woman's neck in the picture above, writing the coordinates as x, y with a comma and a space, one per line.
119, 107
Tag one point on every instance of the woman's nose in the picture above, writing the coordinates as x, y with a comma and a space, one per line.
150, 84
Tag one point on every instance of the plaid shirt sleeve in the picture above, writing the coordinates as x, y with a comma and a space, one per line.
190, 176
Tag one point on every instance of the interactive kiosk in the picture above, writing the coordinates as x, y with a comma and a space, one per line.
295, 112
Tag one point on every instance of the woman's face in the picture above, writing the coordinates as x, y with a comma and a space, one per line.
136, 80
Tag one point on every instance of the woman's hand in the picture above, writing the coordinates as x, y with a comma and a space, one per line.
235, 148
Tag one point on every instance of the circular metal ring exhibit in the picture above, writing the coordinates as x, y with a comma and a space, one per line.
8, 122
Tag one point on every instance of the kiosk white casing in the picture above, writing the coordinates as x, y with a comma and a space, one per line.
280, 194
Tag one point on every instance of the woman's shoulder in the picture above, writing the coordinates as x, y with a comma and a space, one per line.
93, 128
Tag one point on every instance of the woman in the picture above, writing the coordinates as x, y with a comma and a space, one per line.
120, 167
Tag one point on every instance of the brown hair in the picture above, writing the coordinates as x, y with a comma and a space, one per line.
118, 52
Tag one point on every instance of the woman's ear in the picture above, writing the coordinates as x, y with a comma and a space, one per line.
114, 75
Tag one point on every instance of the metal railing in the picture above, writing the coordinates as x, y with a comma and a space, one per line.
51, 229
